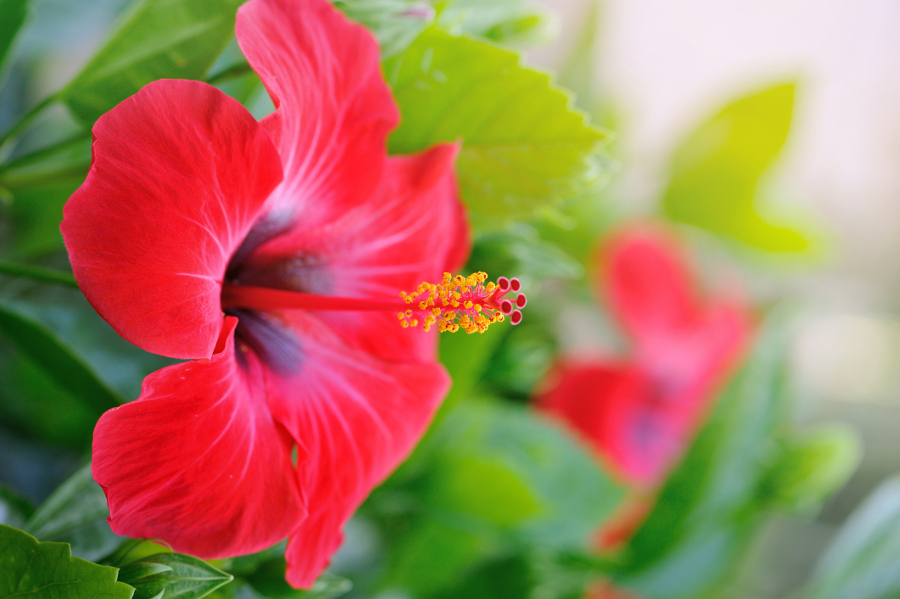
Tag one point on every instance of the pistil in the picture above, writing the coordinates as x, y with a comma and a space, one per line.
456, 303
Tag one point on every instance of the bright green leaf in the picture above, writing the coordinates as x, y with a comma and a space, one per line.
59, 362
47, 571
716, 170
172, 576
863, 561
12, 17
709, 507
523, 146
177, 39
814, 465
76, 513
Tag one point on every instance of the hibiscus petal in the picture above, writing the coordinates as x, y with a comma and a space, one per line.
647, 284
180, 172
334, 109
359, 418
198, 461
413, 230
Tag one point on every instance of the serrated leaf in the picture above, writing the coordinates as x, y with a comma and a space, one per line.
48, 571
523, 146
58, 361
76, 513
12, 17
708, 508
716, 169
863, 560
177, 39
173, 576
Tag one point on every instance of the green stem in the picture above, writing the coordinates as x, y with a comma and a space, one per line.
26, 120
229, 73
45, 275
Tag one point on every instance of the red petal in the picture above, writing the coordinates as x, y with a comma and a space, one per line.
334, 108
411, 231
358, 419
180, 172
648, 285
198, 461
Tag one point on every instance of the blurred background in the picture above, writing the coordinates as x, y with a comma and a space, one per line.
656, 70
670, 81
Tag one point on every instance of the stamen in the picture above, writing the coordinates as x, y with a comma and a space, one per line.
466, 303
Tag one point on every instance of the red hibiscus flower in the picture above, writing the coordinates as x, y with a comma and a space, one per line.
639, 414
272, 254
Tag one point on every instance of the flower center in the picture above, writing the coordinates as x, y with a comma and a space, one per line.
455, 303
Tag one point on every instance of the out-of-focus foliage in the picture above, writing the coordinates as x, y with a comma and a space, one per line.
713, 502
716, 170
12, 16
175, 39
863, 561
523, 146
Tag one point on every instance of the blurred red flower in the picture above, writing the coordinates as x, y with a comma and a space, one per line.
284, 420
638, 414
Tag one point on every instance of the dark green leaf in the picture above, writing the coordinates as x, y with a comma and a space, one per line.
505, 578
709, 507
523, 147
716, 170
178, 39
58, 361
76, 513
47, 571
172, 576
863, 560
268, 580
14, 508
12, 16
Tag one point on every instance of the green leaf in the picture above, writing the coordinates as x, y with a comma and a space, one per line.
863, 560
76, 513
497, 477
504, 21
520, 252
396, 23
814, 464
177, 39
172, 576
715, 171
58, 361
47, 571
523, 146
12, 17
15, 509
709, 507
268, 580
